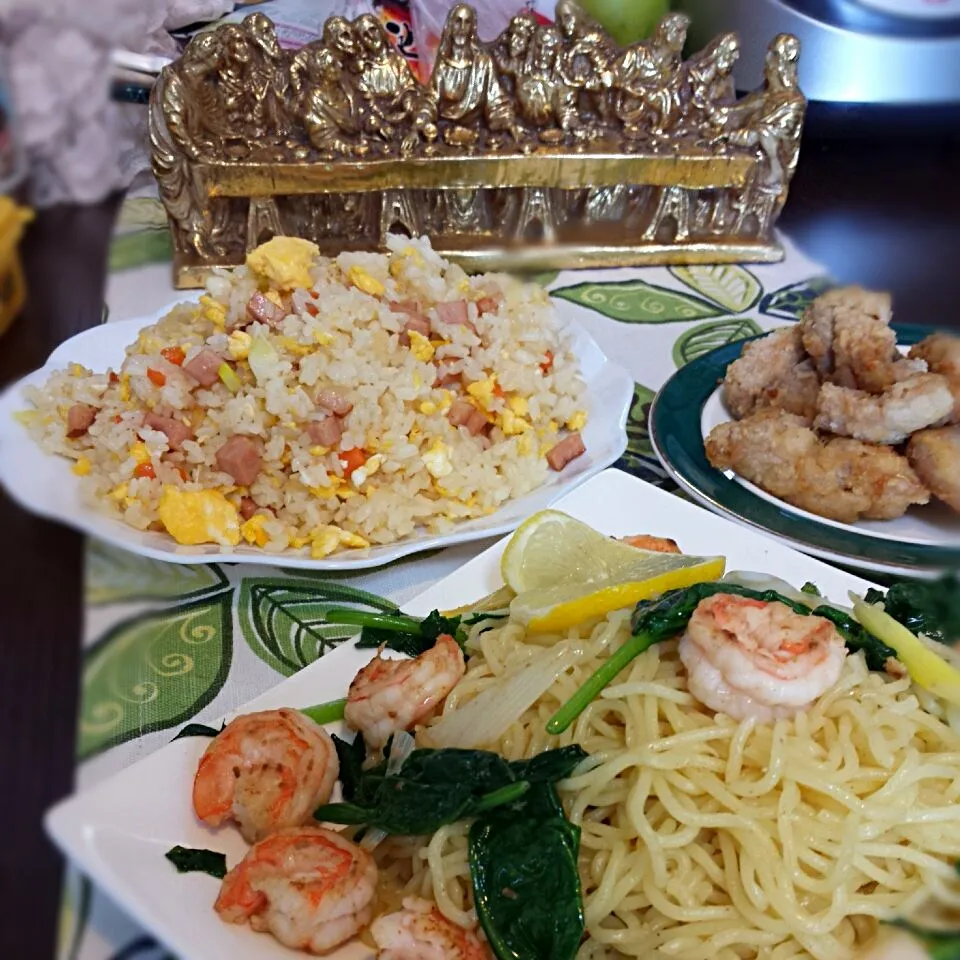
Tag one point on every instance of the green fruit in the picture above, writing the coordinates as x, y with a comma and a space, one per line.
627, 21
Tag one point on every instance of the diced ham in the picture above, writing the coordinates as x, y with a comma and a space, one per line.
490, 303
418, 323
204, 367
334, 402
326, 432
176, 430
455, 313
460, 412
446, 376
569, 448
240, 457
80, 417
404, 306
464, 414
259, 307
249, 507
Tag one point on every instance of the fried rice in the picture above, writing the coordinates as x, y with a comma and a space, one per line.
321, 404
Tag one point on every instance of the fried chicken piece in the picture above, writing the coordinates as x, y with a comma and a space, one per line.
838, 478
941, 353
890, 417
935, 456
771, 372
848, 336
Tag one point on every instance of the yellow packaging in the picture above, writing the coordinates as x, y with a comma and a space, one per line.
13, 290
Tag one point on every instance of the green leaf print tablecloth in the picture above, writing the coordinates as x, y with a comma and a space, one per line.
165, 644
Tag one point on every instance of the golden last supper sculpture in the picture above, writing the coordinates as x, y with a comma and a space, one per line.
549, 147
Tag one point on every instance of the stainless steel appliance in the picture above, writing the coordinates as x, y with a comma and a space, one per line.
856, 53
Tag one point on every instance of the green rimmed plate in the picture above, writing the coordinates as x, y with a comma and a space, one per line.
924, 542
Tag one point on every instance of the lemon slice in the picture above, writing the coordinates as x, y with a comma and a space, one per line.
564, 572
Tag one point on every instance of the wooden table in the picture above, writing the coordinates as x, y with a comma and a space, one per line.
881, 215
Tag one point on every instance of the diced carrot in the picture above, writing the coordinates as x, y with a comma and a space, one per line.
157, 377
312, 309
352, 460
498, 391
113, 378
145, 470
174, 355
547, 364
118, 419
184, 476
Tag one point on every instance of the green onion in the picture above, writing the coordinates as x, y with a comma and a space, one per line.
230, 380
326, 712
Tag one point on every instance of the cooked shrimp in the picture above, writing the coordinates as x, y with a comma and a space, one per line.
941, 353
310, 887
751, 659
848, 336
391, 695
935, 455
646, 541
267, 771
421, 932
890, 417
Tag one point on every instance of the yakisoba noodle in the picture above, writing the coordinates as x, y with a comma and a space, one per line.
708, 839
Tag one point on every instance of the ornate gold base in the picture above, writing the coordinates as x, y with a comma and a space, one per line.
557, 257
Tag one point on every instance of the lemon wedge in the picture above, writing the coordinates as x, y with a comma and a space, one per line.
564, 572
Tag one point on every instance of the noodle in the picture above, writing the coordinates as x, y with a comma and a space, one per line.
706, 838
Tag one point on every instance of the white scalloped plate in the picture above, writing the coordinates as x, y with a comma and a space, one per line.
45, 485
118, 831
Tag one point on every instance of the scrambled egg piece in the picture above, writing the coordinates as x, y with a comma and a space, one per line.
199, 516
364, 282
525, 445
292, 346
446, 400
428, 407
421, 347
324, 339
125, 387
82, 467
518, 405
437, 460
252, 531
214, 311
325, 539
512, 425
359, 476
119, 492
76, 370
140, 453
238, 344
284, 262
482, 391
577, 421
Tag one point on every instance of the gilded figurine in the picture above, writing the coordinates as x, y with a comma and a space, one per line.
512, 47
268, 77
330, 113
464, 85
708, 89
546, 101
647, 80
770, 121
589, 57
550, 134
386, 83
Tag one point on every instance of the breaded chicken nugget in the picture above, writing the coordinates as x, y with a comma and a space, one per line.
935, 456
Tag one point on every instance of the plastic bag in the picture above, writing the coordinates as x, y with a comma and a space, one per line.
493, 16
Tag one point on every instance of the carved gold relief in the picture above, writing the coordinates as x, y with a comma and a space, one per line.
609, 155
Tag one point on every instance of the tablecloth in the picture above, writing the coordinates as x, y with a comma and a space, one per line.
165, 644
